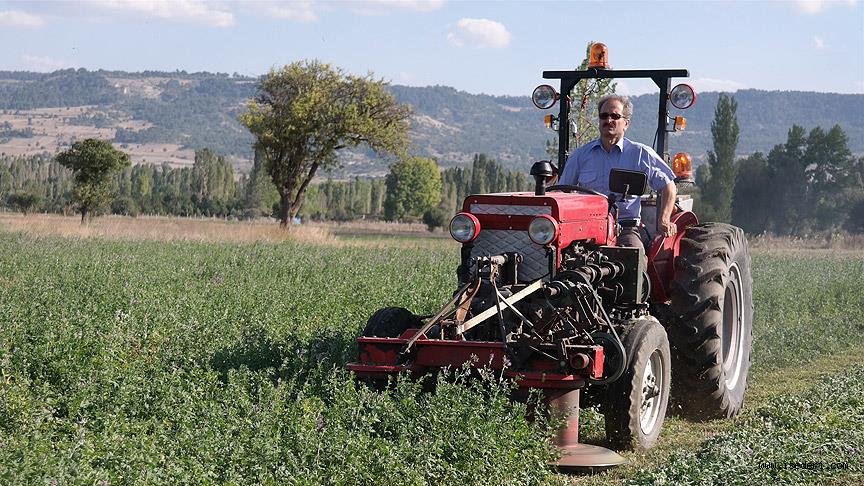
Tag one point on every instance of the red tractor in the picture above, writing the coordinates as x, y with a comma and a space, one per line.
545, 297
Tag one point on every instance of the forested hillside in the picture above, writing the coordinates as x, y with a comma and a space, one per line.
161, 117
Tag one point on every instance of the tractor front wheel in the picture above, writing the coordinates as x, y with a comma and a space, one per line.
635, 405
712, 299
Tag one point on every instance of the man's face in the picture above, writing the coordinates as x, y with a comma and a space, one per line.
611, 128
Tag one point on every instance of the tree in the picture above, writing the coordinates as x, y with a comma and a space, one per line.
25, 201
716, 194
93, 163
583, 110
830, 169
261, 195
752, 197
413, 187
434, 218
307, 111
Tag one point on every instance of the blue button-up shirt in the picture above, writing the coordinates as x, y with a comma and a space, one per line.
590, 164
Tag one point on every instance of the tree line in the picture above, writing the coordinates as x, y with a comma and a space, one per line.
810, 184
211, 188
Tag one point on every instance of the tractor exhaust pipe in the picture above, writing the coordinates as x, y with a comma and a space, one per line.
541, 171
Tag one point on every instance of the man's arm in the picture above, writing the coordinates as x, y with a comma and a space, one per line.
667, 203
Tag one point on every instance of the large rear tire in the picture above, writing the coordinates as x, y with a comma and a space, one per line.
712, 299
635, 405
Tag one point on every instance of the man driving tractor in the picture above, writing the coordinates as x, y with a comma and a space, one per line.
590, 164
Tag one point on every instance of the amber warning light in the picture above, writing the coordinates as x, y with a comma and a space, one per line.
682, 166
598, 56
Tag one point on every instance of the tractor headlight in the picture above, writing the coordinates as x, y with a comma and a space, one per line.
464, 227
543, 230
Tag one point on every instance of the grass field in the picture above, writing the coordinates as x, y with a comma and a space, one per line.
136, 361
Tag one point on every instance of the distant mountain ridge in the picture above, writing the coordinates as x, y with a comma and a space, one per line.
164, 116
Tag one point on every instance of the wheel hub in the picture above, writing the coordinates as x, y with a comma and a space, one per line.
649, 409
732, 338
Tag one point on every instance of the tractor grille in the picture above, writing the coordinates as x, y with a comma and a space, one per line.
534, 264
510, 209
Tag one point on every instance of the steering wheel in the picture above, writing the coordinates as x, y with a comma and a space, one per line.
573, 188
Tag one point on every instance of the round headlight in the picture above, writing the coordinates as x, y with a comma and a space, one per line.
464, 227
682, 96
542, 230
544, 96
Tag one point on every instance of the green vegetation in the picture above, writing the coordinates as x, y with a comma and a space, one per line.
200, 110
413, 188
153, 362
716, 179
804, 439
810, 184
806, 305
306, 112
93, 164
66, 87
210, 188
146, 362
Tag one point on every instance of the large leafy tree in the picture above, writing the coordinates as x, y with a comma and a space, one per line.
307, 111
413, 188
93, 164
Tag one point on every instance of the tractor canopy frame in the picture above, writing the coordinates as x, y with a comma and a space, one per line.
661, 77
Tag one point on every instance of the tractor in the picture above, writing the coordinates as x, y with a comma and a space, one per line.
545, 296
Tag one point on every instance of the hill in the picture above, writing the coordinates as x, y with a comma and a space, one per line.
162, 117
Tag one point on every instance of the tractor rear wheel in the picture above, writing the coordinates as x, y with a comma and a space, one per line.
635, 405
712, 300
391, 322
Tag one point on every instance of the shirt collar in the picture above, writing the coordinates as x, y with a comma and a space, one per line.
598, 143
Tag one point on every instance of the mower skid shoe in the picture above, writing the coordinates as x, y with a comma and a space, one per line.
576, 457
587, 458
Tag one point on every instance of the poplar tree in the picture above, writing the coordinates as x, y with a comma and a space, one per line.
717, 190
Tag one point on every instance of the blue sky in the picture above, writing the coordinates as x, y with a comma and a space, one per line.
498, 48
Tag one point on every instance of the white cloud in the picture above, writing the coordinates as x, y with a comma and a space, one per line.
189, 11
819, 42
479, 33
709, 84
297, 11
379, 7
812, 7
17, 18
43, 64
309, 10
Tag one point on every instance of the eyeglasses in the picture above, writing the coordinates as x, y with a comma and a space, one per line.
614, 116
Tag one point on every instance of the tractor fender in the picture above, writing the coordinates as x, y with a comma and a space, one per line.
662, 253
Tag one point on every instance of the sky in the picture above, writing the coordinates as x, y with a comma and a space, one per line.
497, 48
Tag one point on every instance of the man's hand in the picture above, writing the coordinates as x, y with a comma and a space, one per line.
666, 228
667, 202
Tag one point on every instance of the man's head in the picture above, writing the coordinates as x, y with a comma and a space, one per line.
614, 115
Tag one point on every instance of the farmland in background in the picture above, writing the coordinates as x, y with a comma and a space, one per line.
164, 116
219, 359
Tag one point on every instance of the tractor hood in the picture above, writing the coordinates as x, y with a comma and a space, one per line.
504, 219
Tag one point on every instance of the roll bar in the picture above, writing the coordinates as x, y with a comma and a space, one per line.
662, 77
